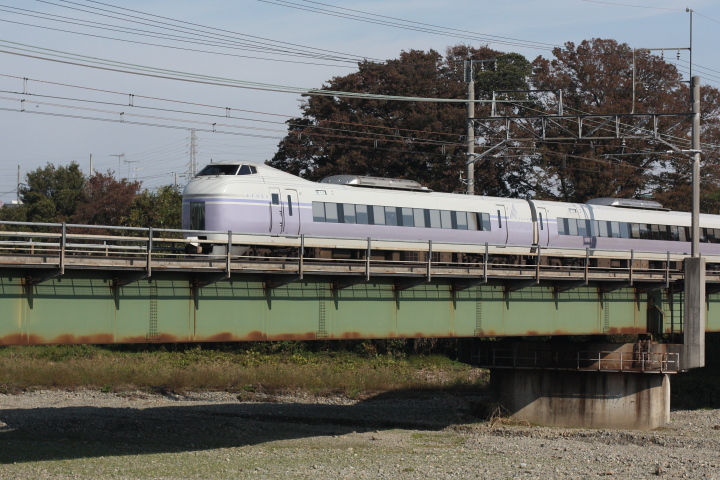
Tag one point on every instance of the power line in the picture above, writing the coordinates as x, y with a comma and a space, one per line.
417, 27
153, 72
173, 25
177, 48
635, 6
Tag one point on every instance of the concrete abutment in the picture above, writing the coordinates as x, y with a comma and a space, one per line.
585, 399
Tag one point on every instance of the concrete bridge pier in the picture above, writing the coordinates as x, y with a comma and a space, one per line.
586, 399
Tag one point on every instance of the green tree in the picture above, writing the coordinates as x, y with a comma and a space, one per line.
423, 141
49, 194
159, 209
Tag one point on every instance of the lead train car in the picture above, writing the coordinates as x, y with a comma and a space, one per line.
247, 197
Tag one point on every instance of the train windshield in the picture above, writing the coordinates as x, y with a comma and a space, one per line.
217, 169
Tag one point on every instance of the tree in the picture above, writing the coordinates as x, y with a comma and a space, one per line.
106, 200
596, 78
49, 194
159, 209
423, 141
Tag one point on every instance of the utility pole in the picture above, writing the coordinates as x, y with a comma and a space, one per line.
91, 172
470, 79
120, 157
695, 301
18, 186
695, 147
193, 153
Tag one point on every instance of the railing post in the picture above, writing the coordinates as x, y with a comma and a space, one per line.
302, 256
367, 259
485, 261
149, 251
229, 248
63, 241
429, 260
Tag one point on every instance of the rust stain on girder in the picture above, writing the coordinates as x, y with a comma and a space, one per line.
627, 330
21, 339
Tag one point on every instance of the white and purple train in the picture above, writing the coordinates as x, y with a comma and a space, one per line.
247, 197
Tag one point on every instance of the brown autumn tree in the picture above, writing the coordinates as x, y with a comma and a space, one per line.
595, 77
106, 200
423, 141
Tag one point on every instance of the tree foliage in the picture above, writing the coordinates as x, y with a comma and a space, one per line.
62, 194
595, 77
49, 194
423, 141
106, 200
159, 209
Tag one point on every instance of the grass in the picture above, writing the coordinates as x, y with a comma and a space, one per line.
203, 368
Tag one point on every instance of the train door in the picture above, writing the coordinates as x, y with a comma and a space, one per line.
543, 228
502, 224
292, 213
276, 211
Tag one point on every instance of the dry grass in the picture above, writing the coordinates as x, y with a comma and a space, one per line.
198, 369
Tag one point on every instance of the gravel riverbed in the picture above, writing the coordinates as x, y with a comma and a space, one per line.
405, 435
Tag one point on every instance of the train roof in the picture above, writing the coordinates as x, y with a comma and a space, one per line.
375, 182
627, 203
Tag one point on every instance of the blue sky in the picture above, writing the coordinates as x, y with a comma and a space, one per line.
49, 130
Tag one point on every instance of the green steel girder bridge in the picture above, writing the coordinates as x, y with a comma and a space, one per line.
74, 284
81, 284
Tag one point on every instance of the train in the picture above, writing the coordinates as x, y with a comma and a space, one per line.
255, 198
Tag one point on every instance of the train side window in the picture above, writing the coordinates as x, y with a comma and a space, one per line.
604, 230
572, 226
474, 221
407, 217
461, 220
378, 215
290, 205
644, 231
419, 217
562, 226
594, 228
485, 222
624, 229
318, 209
391, 217
331, 212
499, 219
197, 215
664, 234
276, 199
654, 232
705, 235
634, 230
540, 221
348, 213
445, 219
361, 214
582, 227
435, 219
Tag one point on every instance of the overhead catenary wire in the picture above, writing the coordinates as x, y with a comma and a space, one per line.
297, 62
134, 69
174, 25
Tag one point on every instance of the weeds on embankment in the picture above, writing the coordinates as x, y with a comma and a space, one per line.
235, 369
